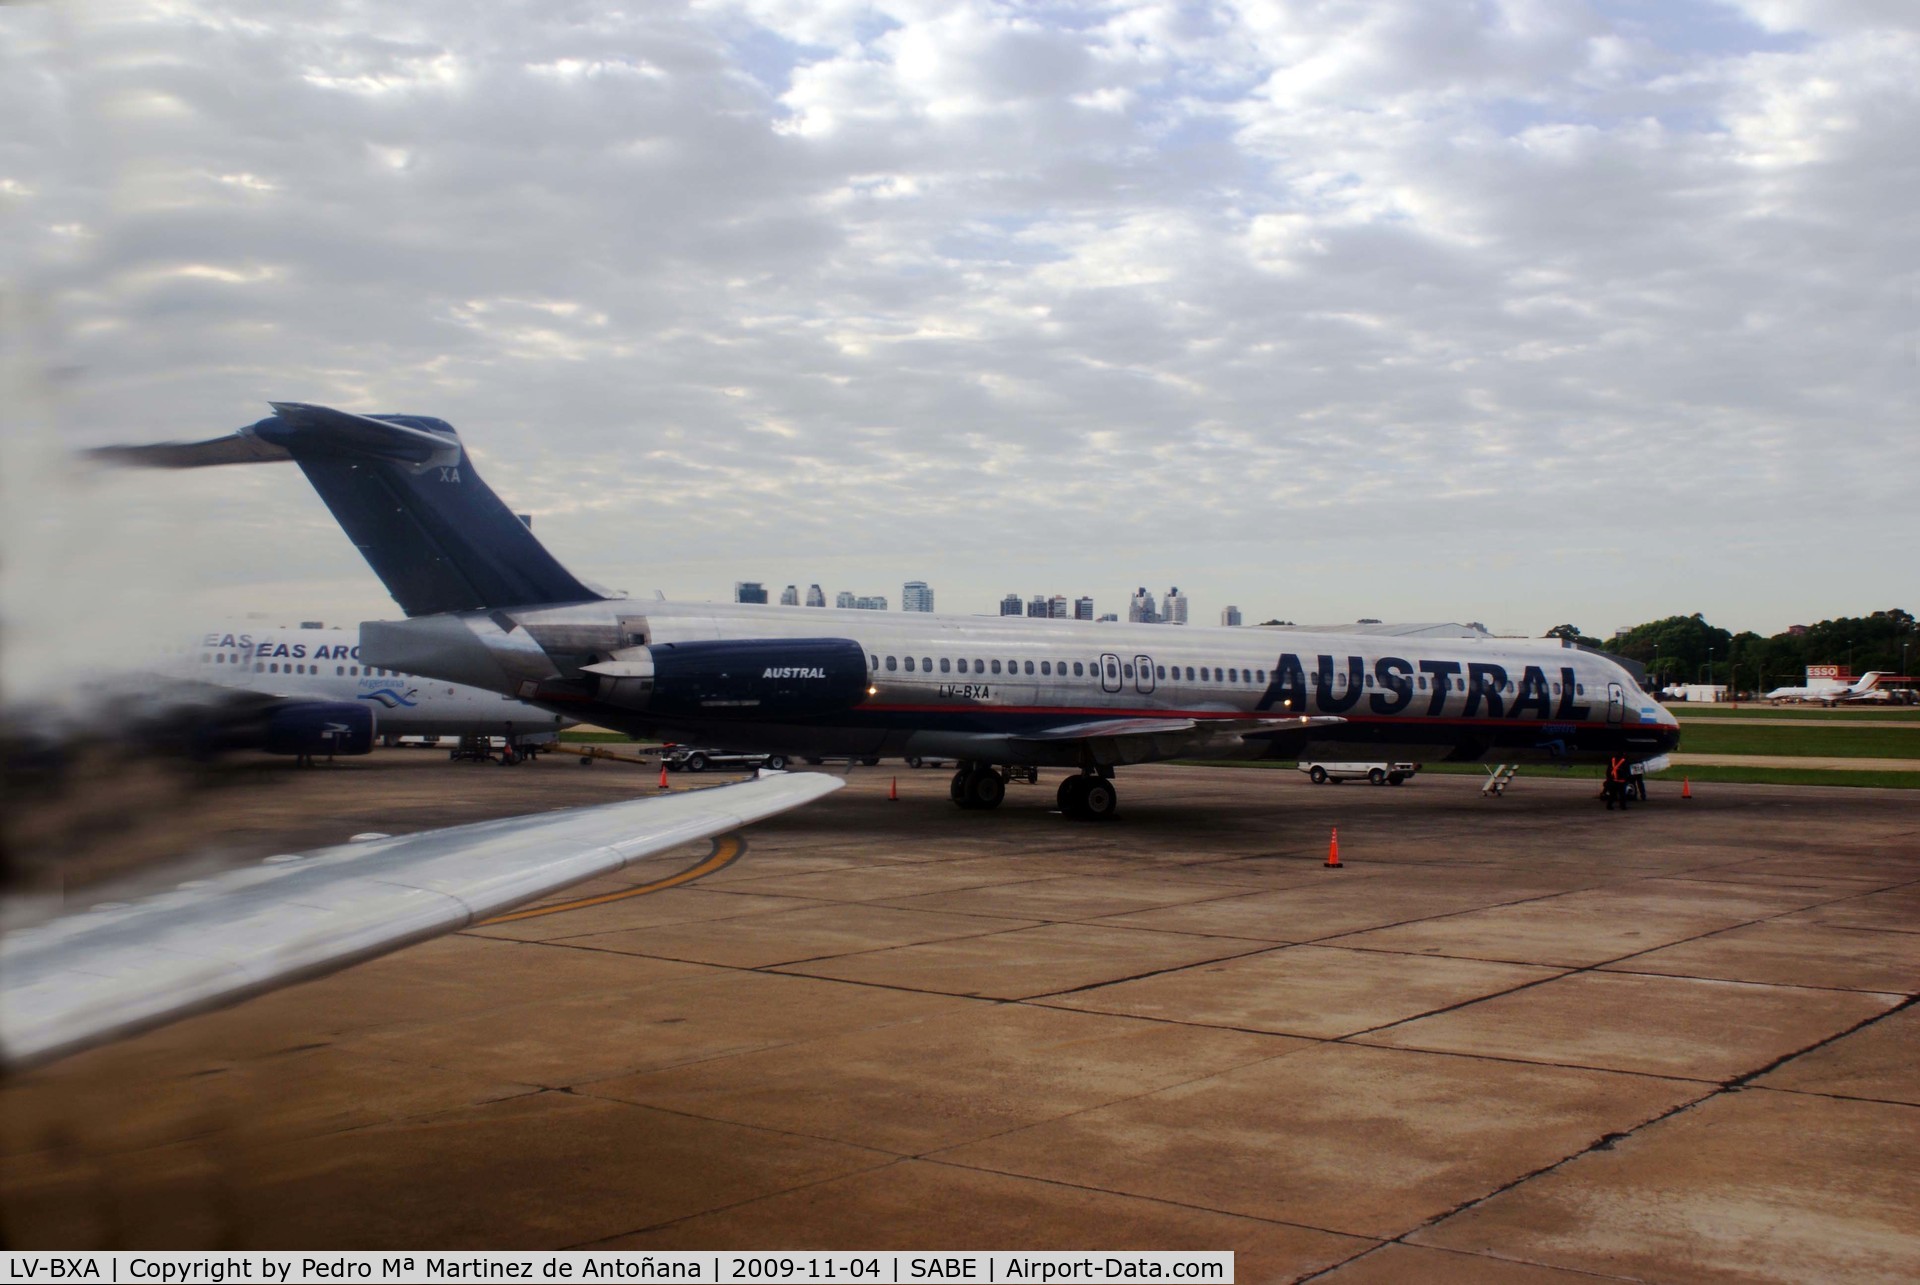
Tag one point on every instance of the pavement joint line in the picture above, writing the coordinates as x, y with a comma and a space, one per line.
1464, 1254
1609, 1141
935, 1158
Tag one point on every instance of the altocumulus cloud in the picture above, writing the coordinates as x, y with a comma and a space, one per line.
1514, 310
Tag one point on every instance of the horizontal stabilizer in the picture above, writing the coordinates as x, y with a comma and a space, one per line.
243, 447
110, 972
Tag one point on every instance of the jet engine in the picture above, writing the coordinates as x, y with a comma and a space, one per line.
286, 727
751, 679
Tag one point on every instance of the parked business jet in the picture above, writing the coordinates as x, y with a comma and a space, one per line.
320, 671
487, 605
1834, 691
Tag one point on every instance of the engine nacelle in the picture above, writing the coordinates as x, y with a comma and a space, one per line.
751, 679
319, 727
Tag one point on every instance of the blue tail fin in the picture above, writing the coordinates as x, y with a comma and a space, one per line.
407, 496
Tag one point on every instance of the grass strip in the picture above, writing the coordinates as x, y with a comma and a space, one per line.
1593, 772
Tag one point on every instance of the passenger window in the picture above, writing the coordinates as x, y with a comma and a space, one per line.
259, 668
996, 666
909, 664
1556, 689
979, 666
1127, 669
353, 671
1579, 689
1076, 670
891, 664
274, 669
1160, 672
1113, 669
1233, 675
1259, 675
1029, 667
873, 662
1369, 680
1046, 667
1313, 679
1421, 682
926, 663
946, 666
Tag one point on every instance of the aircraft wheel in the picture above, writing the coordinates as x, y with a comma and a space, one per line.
696, 762
586, 760
986, 789
1318, 775
1098, 799
874, 761
1396, 778
776, 763
912, 761
1072, 797
1376, 777
958, 790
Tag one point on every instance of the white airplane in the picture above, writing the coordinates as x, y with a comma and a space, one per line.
316, 679
489, 606
1834, 691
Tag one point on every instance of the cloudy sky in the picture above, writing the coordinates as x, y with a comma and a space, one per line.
1510, 310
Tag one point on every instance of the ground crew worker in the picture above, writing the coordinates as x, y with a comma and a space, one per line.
1616, 787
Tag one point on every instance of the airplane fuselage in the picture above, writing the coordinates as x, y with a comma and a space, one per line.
984, 688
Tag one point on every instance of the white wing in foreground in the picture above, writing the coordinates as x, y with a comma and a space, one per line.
97, 976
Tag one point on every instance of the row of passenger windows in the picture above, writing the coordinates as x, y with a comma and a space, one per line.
1125, 669
275, 667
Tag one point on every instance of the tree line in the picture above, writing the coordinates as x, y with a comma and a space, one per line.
1686, 649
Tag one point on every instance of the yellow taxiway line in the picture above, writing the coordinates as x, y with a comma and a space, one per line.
726, 850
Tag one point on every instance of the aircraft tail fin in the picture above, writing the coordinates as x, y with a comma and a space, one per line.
407, 495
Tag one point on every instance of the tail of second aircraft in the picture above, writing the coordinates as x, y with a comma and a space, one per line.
408, 497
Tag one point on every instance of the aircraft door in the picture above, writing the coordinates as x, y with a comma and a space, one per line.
1616, 702
1143, 674
1109, 672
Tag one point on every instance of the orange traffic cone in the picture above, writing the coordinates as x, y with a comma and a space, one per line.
1686, 788
893, 791
1333, 850
663, 776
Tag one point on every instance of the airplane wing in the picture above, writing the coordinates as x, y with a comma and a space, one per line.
1138, 740
89, 978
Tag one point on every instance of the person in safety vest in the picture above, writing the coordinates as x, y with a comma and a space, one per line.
1616, 788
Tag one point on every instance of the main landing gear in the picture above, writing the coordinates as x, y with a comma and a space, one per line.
978, 787
1088, 797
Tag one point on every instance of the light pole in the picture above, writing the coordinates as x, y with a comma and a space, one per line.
1709, 666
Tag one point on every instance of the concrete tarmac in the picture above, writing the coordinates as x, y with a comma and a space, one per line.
1519, 1039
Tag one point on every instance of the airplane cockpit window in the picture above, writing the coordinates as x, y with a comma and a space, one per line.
892, 664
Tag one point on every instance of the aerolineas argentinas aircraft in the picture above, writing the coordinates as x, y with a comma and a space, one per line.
489, 606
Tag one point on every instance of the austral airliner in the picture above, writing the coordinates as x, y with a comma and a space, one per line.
487, 605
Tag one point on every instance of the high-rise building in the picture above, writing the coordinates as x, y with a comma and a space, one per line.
916, 595
1109, 619
1037, 606
1058, 608
749, 591
1142, 610
1010, 605
789, 597
845, 599
1230, 615
1173, 608
1083, 609
877, 602
815, 598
